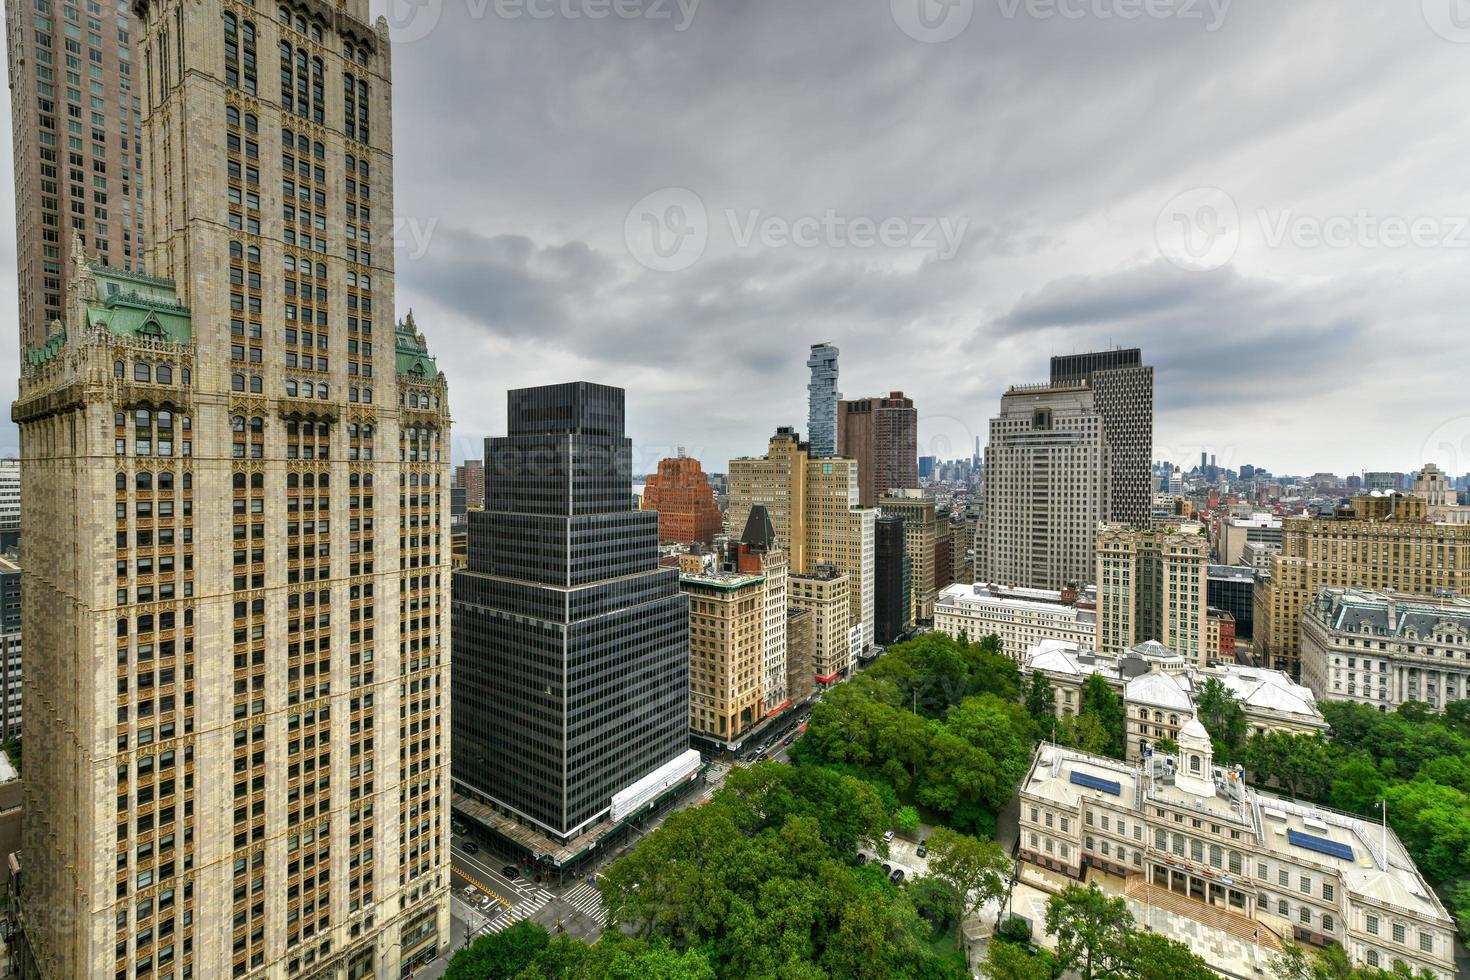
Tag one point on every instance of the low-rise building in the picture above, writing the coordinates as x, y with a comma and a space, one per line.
1386, 648
1021, 617
1159, 687
1182, 831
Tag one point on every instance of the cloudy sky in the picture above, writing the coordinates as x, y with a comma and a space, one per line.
678, 198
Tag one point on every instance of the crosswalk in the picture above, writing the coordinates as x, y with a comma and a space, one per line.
585, 898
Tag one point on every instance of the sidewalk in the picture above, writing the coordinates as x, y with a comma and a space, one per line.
1225, 953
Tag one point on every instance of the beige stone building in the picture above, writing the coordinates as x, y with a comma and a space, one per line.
1019, 617
824, 593
727, 644
75, 113
1385, 649
921, 535
1159, 689
1195, 840
237, 470
1382, 542
813, 506
1151, 585
1047, 486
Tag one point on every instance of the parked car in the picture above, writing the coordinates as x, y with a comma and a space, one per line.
888, 835
923, 850
469, 847
897, 876
887, 869
511, 872
862, 858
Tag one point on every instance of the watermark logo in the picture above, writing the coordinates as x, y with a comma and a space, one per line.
1449, 446
1199, 230
932, 21
936, 21
411, 236
667, 231
679, 13
414, 20
410, 20
1450, 19
1363, 229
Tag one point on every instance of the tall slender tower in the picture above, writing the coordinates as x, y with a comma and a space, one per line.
822, 398
236, 474
78, 161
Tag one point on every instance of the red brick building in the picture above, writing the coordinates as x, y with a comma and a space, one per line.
685, 502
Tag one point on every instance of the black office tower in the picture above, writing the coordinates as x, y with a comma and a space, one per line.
893, 582
1123, 392
571, 644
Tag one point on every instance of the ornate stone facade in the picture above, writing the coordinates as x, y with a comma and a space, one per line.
238, 542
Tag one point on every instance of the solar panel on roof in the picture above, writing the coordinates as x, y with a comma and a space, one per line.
1320, 844
1110, 786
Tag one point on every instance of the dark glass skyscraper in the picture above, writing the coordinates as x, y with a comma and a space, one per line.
1123, 392
893, 581
571, 644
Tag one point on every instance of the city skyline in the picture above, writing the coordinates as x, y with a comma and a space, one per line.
537, 286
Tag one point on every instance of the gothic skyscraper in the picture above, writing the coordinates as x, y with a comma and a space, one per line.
236, 469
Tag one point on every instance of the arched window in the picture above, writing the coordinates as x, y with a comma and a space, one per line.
256, 386
164, 374
1194, 764
232, 115
237, 382
237, 424
290, 388
238, 481
144, 482
232, 51
118, 369
166, 481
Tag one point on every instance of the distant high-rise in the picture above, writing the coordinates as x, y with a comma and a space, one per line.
11, 660
77, 146
1046, 487
1151, 585
571, 664
1123, 392
813, 508
922, 534
1383, 541
470, 477
882, 434
685, 501
893, 602
822, 398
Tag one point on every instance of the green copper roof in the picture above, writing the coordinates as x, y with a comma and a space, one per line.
126, 304
134, 305
413, 351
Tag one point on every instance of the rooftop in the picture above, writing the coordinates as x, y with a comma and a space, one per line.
1370, 859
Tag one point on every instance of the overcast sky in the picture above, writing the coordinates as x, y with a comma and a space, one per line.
1268, 197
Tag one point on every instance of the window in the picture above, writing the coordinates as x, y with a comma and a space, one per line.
1426, 942
1399, 932
1373, 925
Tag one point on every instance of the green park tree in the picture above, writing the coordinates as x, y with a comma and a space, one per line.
978, 869
1091, 930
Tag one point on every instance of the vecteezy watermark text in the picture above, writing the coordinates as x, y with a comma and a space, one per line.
935, 21
1202, 229
414, 20
670, 229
